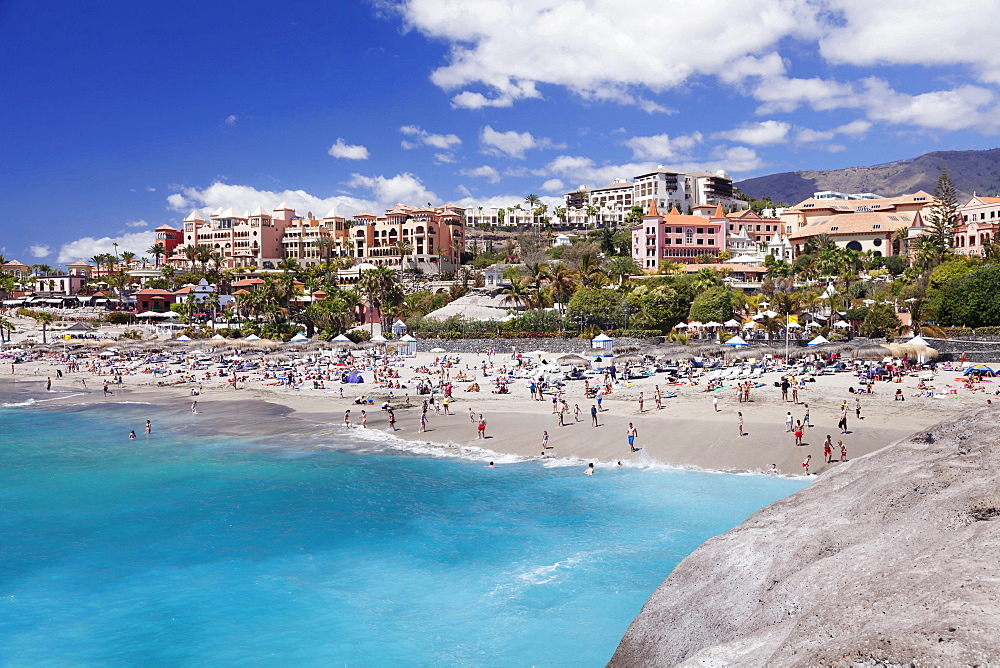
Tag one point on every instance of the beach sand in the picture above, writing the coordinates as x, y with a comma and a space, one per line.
686, 432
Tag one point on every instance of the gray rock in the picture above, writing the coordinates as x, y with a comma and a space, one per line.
890, 559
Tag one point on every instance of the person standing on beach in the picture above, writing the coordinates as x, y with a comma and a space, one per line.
48, 384
715, 403
805, 464
828, 444
632, 432
600, 398
545, 440
788, 421
843, 451
784, 389
842, 424
472, 416
857, 407
347, 418
423, 422
593, 415
798, 433
641, 400
364, 419
576, 412
658, 397
739, 423
106, 391
392, 419
194, 406
481, 427
795, 394
805, 418
827, 452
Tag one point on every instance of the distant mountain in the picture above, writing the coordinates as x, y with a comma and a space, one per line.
977, 171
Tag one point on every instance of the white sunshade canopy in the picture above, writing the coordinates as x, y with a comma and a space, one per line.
736, 341
842, 324
818, 340
732, 323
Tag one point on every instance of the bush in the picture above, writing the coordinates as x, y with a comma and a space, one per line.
231, 333
952, 332
119, 318
990, 330
131, 334
359, 335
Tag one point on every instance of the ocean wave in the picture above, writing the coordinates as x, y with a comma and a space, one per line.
18, 404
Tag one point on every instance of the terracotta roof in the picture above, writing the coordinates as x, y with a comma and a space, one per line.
153, 292
724, 268
248, 282
856, 223
847, 205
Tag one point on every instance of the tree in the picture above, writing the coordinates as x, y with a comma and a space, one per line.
533, 201
7, 325
880, 320
44, 318
381, 288
157, 250
128, 257
713, 304
595, 306
635, 215
519, 293
970, 299
657, 307
943, 216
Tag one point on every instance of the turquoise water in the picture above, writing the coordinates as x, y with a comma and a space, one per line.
189, 549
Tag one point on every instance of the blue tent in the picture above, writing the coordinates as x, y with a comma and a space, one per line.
981, 369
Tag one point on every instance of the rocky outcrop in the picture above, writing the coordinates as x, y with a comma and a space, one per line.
890, 559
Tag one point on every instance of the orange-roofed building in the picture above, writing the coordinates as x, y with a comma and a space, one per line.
675, 237
978, 225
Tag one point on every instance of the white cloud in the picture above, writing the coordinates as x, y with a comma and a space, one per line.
865, 33
445, 158
662, 147
177, 201
150, 189
852, 129
137, 223
554, 186
512, 144
424, 138
40, 250
590, 46
382, 193
340, 149
231, 120
958, 109
485, 172
764, 133
405, 188
87, 247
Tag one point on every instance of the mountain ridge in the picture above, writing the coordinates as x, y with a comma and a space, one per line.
972, 171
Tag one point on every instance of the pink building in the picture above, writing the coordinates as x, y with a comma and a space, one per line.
978, 226
242, 239
677, 238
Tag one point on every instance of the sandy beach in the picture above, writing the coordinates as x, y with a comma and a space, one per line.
686, 432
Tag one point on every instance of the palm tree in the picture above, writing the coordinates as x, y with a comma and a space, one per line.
5, 324
44, 318
518, 293
157, 250
325, 245
191, 254
562, 281
405, 249
532, 201
380, 287
128, 257
115, 244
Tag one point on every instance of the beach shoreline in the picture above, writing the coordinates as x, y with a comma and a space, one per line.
687, 432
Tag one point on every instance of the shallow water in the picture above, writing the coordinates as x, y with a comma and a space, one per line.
306, 547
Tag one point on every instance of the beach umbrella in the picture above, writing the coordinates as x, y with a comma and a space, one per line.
712, 323
573, 360
735, 341
341, 338
869, 351
841, 324
299, 337
732, 323
630, 358
918, 341
183, 337
819, 340
794, 325
681, 325
252, 337
437, 350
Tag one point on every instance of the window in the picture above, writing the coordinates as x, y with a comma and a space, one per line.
701, 230
876, 227
835, 228
876, 242
689, 236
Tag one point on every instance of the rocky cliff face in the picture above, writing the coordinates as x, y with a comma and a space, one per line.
890, 559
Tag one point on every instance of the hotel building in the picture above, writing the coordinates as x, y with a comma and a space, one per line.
979, 223
677, 238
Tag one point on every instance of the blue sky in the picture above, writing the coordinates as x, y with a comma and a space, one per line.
122, 116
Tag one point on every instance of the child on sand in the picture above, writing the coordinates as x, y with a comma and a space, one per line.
739, 422
805, 464
545, 440
843, 451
